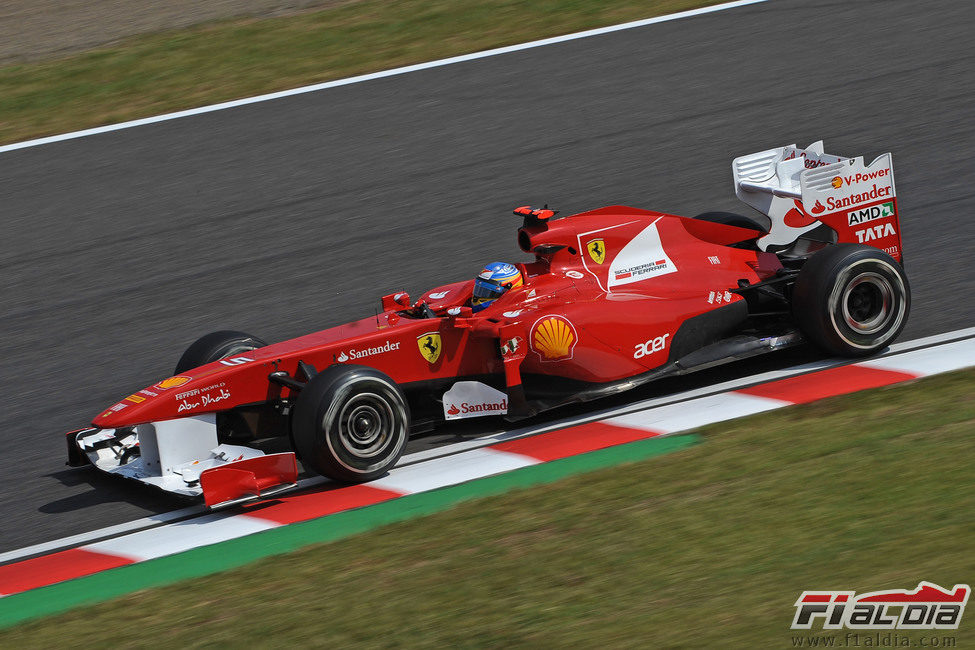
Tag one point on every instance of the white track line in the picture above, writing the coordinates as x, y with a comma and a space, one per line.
102, 533
376, 75
943, 358
703, 411
181, 536
441, 472
917, 344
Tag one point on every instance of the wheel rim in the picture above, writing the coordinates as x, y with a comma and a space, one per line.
867, 303
365, 424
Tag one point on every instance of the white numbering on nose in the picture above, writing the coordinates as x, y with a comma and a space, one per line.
236, 361
649, 347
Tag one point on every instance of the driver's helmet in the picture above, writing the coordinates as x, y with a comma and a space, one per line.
494, 280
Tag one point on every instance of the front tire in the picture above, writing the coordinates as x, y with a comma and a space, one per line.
350, 423
851, 300
215, 346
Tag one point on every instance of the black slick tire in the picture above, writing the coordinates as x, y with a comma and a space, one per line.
215, 346
350, 423
735, 219
851, 300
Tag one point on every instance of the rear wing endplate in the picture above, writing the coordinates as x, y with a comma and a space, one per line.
815, 195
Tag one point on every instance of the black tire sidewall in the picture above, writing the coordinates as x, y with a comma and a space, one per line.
819, 291
214, 346
737, 220
317, 427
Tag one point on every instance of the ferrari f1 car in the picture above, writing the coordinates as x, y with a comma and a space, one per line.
614, 298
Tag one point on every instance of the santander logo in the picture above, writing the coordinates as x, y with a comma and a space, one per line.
480, 408
472, 399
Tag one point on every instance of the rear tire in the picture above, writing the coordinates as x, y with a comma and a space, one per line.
350, 423
734, 219
851, 300
216, 346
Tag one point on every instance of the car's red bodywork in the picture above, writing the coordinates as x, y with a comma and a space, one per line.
613, 298
601, 325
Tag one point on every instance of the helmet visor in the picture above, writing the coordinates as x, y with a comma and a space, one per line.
486, 290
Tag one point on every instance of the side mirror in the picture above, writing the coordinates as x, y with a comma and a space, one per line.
461, 316
396, 301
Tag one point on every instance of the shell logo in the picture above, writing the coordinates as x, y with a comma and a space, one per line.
173, 382
837, 182
553, 338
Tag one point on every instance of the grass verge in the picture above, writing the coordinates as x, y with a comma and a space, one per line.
158, 73
707, 547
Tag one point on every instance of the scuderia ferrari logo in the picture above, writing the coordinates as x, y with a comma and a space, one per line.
597, 250
430, 346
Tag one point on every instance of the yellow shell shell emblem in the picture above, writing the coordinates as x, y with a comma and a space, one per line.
597, 250
553, 338
430, 346
172, 382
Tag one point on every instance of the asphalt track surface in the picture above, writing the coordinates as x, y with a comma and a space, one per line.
292, 215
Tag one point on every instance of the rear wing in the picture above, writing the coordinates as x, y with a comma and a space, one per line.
815, 195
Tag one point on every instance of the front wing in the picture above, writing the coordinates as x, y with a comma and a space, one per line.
183, 457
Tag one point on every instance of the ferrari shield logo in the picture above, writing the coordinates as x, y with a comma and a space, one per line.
430, 346
597, 250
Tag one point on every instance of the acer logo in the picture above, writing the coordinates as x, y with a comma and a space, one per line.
649, 347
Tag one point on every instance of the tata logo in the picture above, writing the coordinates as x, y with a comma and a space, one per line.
875, 232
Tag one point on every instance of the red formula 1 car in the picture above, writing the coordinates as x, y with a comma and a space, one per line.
614, 298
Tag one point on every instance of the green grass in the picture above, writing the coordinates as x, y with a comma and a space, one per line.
706, 547
152, 74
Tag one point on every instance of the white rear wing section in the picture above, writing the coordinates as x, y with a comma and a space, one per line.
807, 192
776, 172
